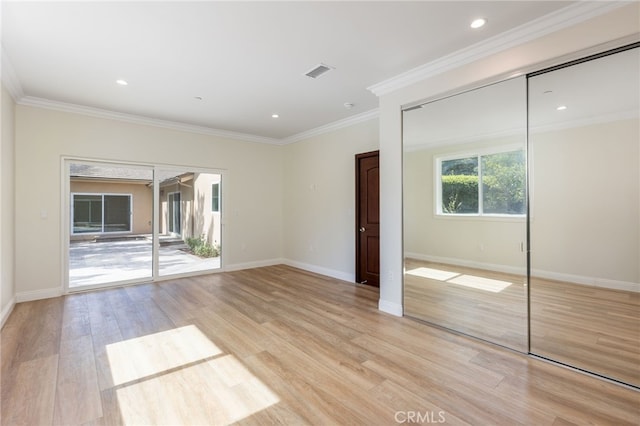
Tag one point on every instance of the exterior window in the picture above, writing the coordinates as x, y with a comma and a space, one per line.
215, 197
482, 184
101, 213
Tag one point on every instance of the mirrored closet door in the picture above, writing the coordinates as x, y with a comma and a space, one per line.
465, 213
584, 150
558, 152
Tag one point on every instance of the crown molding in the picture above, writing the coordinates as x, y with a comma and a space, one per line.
336, 125
586, 121
137, 119
9, 77
191, 128
32, 101
519, 131
552, 22
535, 129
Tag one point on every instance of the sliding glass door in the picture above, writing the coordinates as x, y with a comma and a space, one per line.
110, 223
101, 213
189, 227
112, 209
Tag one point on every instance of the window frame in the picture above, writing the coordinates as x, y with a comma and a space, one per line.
102, 228
477, 153
216, 197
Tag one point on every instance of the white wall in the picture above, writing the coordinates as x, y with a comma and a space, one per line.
7, 287
619, 23
319, 199
585, 200
293, 202
491, 243
253, 186
266, 204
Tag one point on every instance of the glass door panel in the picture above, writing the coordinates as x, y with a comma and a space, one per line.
189, 221
584, 145
465, 213
110, 213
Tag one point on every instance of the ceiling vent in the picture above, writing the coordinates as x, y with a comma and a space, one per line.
318, 70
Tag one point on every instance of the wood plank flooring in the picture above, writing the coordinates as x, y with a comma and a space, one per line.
593, 328
489, 305
273, 345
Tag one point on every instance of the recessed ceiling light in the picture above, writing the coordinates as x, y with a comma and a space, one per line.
561, 108
274, 116
122, 82
477, 23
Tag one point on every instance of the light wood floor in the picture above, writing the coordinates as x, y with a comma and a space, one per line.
594, 328
273, 345
485, 304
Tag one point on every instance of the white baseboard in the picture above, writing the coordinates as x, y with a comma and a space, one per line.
27, 296
535, 273
4, 315
591, 281
390, 307
344, 276
251, 265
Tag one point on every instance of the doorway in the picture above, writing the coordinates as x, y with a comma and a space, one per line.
368, 219
132, 223
189, 226
110, 217
174, 213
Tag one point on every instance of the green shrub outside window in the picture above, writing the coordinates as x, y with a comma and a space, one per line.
503, 189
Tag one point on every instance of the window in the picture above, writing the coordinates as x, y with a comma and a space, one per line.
502, 190
101, 213
215, 197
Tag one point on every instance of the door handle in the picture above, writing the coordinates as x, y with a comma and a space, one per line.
362, 229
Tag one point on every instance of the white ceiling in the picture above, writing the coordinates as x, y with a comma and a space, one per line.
245, 59
600, 90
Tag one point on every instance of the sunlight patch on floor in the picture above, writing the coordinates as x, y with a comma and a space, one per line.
480, 283
220, 391
466, 280
145, 356
179, 376
433, 274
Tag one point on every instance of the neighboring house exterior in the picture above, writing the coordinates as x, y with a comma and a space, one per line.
190, 206
118, 201
109, 201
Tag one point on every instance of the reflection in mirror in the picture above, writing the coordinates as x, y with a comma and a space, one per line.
584, 146
465, 213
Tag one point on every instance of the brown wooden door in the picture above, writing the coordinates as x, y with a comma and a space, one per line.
368, 219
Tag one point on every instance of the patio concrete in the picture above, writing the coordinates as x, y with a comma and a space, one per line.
93, 263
